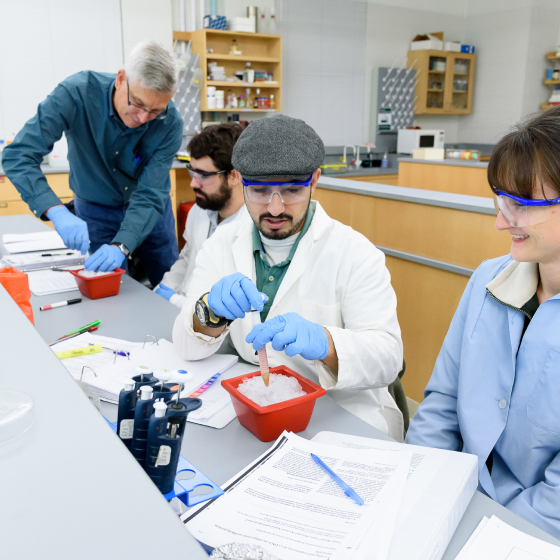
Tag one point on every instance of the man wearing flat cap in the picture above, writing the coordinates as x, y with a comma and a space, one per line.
327, 308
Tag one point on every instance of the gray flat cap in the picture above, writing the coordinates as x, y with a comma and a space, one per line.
278, 146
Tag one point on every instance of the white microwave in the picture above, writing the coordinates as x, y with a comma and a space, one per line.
410, 139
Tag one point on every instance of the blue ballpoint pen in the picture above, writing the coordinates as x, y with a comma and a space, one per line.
347, 490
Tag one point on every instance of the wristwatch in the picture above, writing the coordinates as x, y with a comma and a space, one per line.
206, 316
125, 251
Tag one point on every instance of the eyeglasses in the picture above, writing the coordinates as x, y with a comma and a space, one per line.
202, 176
522, 212
158, 114
290, 192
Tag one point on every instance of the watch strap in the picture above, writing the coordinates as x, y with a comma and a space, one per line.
213, 320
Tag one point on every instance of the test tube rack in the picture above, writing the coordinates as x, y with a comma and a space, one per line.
183, 488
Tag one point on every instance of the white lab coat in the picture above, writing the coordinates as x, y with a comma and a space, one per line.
337, 279
195, 234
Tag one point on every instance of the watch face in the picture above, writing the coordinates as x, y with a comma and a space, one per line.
199, 308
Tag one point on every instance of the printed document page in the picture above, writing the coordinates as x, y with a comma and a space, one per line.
93, 361
497, 540
163, 355
287, 504
439, 488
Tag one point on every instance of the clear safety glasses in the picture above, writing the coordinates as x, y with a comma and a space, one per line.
290, 192
202, 177
522, 212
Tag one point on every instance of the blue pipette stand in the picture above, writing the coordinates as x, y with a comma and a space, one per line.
183, 487
165, 437
142, 414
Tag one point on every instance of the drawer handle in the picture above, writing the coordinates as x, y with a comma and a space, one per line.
3, 205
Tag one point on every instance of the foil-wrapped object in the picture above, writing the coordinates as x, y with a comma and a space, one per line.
238, 551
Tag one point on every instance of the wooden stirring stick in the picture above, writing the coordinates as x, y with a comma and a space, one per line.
263, 363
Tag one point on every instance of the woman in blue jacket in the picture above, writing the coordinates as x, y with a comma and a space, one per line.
495, 388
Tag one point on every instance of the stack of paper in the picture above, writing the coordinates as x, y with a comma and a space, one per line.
45, 282
34, 251
439, 488
110, 373
26, 242
287, 504
495, 540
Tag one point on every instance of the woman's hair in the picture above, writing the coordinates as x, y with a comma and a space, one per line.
150, 65
528, 157
216, 141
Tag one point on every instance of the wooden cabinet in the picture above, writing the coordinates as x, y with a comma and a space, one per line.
445, 82
263, 51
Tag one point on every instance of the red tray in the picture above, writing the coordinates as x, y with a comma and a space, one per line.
98, 287
268, 422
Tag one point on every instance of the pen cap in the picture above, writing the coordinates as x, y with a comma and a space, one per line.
146, 392
145, 370
129, 384
160, 408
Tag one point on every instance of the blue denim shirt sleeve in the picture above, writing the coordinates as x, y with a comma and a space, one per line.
435, 423
148, 201
22, 159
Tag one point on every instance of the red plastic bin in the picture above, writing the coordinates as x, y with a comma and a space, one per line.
98, 287
268, 422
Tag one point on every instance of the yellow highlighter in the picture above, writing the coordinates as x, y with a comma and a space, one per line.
95, 349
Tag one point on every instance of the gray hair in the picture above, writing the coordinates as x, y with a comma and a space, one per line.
153, 67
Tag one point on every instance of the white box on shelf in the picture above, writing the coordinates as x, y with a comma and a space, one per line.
427, 42
452, 46
245, 25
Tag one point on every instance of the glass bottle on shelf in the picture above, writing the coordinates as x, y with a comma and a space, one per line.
234, 49
272, 103
242, 101
249, 101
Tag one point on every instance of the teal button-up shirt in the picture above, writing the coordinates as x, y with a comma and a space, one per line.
110, 164
270, 277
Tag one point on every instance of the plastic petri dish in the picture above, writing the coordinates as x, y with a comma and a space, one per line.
16, 414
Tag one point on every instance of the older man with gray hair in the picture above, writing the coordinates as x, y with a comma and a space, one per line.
123, 132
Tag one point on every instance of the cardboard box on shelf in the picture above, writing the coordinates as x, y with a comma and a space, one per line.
429, 41
467, 49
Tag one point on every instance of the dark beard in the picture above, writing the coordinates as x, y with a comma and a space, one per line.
214, 202
281, 235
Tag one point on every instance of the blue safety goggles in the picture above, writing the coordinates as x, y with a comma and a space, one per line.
521, 212
289, 192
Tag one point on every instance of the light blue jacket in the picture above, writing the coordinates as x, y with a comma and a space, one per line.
489, 393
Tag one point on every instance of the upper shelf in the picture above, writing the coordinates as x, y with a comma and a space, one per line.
242, 58
552, 56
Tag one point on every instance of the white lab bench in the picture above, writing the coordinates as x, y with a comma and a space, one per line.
69, 489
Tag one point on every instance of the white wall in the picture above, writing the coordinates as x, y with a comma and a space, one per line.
146, 20
390, 28
323, 66
45, 41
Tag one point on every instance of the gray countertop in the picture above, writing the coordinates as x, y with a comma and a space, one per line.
47, 169
418, 196
454, 162
363, 172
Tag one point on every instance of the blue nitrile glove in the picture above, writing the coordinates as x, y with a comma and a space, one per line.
293, 334
234, 295
73, 230
163, 291
107, 257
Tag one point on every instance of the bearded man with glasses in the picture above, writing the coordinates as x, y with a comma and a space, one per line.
123, 132
219, 201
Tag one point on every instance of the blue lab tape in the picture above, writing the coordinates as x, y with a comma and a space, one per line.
183, 488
